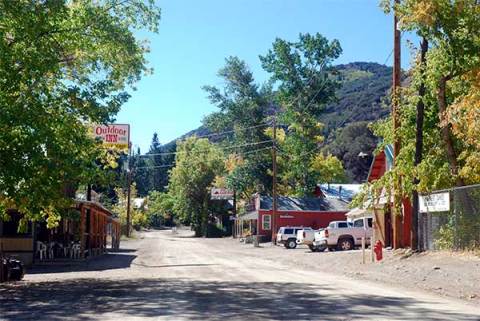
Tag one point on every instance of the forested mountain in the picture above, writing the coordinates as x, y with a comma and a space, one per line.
364, 86
359, 102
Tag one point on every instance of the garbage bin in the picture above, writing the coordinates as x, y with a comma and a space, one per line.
256, 240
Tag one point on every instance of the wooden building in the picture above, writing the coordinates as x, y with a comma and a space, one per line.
382, 207
88, 229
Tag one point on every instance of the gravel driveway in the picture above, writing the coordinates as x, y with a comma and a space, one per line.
161, 276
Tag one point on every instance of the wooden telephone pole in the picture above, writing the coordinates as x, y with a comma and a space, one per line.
129, 183
274, 180
397, 202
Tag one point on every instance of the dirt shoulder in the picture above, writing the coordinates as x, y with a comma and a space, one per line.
455, 275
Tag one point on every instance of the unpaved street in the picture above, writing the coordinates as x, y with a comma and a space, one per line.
161, 276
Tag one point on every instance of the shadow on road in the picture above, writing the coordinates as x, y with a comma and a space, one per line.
172, 265
90, 299
105, 262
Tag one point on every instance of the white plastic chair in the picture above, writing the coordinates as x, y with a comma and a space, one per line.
75, 251
41, 250
50, 248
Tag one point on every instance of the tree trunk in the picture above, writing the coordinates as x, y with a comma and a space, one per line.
445, 130
416, 229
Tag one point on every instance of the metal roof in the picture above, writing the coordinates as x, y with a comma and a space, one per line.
311, 204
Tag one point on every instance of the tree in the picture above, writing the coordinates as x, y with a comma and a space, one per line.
452, 63
306, 83
160, 208
328, 169
198, 162
350, 142
139, 217
63, 65
244, 112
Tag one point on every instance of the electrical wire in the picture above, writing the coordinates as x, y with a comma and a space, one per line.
233, 130
228, 147
173, 164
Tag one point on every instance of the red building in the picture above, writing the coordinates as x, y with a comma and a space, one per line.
291, 211
382, 209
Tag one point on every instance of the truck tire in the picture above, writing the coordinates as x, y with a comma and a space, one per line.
345, 244
321, 249
312, 248
291, 243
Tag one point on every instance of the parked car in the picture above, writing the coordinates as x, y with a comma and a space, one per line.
306, 237
287, 235
343, 235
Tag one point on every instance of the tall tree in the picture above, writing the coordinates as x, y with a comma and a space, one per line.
155, 172
243, 112
198, 162
63, 64
448, 26
306, 83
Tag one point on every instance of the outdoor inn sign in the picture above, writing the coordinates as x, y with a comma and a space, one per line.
115, 136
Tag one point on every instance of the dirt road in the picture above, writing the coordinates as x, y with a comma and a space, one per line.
161, 276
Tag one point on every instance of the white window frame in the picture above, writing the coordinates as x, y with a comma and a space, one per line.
267, 223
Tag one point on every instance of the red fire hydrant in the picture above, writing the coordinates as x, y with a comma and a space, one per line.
378, 249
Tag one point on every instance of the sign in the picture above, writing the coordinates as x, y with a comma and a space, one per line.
221, 194
286, 216
435, 202
113, 135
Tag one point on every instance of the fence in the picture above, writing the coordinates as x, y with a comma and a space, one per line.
450, 219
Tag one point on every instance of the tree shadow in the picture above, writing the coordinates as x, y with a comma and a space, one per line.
107, 261
91, 299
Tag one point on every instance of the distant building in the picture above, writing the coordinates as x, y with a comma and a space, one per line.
342, 191
315, 212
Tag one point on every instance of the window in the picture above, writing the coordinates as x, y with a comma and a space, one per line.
10, 227
370, 222
331, 225
358, 223
288, 231
267, 222
342, 225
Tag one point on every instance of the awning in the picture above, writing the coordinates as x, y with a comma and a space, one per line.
358, 212
249, 216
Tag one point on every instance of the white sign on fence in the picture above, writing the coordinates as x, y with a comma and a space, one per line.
221, 194
435, 202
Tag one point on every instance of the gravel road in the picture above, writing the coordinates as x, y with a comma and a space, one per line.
161, 276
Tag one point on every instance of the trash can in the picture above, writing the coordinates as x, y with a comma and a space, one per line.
256, 240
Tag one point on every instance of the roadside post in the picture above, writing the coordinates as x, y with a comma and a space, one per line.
363, 250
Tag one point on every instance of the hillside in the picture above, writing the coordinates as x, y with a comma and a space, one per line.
359, 102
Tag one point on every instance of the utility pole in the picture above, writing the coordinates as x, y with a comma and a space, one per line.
417, 233
397, 202
234, 213
129, 183
274, 179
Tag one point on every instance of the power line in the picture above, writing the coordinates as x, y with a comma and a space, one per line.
233, 130
386, 60
173, 164
228, 147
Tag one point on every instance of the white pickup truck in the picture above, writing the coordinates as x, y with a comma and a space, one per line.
306, 237
343, 235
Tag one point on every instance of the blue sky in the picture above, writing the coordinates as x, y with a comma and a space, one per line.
195, 36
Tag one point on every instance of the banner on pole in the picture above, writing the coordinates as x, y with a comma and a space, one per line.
113, 135
221, 194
